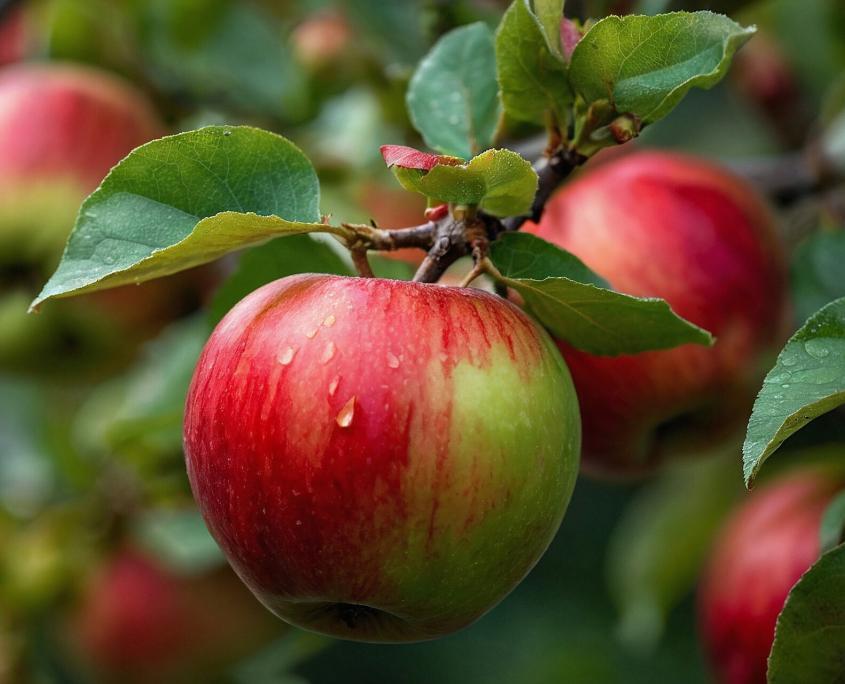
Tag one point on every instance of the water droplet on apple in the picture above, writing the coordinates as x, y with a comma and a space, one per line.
328, 353
333, 385
310, 334
286, 355
298, 523
392, 360
347, 413
329, 322
444, 357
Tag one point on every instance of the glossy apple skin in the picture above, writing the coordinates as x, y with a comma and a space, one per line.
676, 227
764, 548
140, 621
414, 513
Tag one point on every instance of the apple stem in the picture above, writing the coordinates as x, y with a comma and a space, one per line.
361, 263
463, 230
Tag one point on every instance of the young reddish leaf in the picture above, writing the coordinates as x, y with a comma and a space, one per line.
570, 34
408, 157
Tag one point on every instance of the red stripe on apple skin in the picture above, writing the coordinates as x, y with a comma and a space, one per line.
292, 485
679, 228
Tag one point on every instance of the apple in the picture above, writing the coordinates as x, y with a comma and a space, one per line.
14, 36
764, 548
137, 620
665, 225
62, 128
380, 460
322, 40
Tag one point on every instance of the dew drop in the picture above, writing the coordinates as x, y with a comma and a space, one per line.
298, 523
392, 360
444, 357
310, 334
329, 322
227, 133
286, 355
816, 348
328, 353
333, 385
347, 413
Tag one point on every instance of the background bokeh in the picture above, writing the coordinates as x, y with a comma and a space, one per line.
95, 510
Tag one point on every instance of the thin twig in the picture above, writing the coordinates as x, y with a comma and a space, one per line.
361, 263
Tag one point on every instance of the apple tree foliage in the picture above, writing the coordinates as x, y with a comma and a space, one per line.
192, 198
198, 196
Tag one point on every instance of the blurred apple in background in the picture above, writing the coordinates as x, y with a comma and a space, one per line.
14, 36
765, 547
137, 620
322, 40
62, 128
664, 225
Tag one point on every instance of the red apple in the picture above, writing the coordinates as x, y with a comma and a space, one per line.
62, 128
671, 226
322, 40
140, 621
14, 36
380, 460
765, 547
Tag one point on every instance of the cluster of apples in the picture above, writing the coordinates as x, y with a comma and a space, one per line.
385, 460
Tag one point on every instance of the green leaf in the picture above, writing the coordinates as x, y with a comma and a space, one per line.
262, 265
523, 255
533, 81
179, 538
817, 275
395, 29
501, 182
645, 65
810, 633
138, 415
222, 51
807, 381
186, 200
591, 318
656, 551
453, 97
832, 529
550, 14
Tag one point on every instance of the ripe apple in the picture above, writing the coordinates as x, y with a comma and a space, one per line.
671, 226
14, 38
137, 620
380, 460
322, 40
61, 129
764, 548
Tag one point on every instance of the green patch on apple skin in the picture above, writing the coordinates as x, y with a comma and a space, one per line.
515, 439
